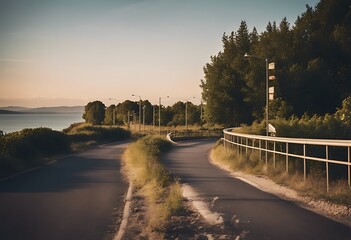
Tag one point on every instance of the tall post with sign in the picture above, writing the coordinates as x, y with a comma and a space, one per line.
270, 77
269, 91
267, 98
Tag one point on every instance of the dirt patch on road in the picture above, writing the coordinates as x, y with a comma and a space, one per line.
187, 224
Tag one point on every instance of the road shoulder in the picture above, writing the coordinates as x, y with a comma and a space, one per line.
336, 212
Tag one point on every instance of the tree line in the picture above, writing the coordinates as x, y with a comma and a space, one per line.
312, 67
127, 112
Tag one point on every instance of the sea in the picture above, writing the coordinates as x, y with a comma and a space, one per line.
56, 121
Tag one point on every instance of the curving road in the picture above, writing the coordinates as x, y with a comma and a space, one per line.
247, 211
78, 197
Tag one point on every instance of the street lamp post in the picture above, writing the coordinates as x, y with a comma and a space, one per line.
186, 114
201, 113
144, 118
134, 117
159, 114
128, 119
139, 109
114, 116
201, 110
267, 90
113, 112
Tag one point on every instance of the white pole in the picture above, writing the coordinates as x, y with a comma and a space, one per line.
186, 115
267, 99
114, 115
144, 118
159, 115
153, 117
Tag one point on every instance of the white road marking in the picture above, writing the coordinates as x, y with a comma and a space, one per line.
126, 212
211, 217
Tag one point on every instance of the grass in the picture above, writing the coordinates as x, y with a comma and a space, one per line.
314, 186
162, 192
83, 132
151, 128
34, 147
29, 148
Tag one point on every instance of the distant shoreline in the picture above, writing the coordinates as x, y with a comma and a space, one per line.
3, 112
14, 112
42, 110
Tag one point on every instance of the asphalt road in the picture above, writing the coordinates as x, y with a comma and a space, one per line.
78, 197
245, 209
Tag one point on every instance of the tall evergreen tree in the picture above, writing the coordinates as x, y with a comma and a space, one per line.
313, 66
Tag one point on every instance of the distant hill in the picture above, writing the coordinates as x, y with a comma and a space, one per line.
8, 112
14, 108
61, 109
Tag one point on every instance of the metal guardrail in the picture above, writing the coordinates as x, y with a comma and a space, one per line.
268, 145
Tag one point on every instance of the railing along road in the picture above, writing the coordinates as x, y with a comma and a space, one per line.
287, 147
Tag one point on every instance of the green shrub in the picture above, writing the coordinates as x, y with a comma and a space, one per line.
26, 148
329, 126
84, 132
160, 143
31, 143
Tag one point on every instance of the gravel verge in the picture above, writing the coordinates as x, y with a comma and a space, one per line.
337, 212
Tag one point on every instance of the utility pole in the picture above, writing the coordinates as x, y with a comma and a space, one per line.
144, 118
140, 102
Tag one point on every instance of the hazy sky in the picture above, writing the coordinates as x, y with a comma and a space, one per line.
69, 52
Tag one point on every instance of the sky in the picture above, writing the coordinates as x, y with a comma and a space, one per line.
70, 52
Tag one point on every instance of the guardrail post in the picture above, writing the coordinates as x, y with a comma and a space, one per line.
287, 157
259, 146
232, 143
304, 162
239, 144
266, 152
247, 144
274, 154
348, 167
327, 166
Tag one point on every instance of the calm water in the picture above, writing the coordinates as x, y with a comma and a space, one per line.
16, 122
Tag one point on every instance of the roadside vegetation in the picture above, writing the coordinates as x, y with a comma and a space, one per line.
162, 192
312, 70
314, 186
329, 126
29, 148
34, 147
82, 135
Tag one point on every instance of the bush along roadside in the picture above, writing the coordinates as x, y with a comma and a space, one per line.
34, 147
314, 186
87, 133
30, 147
153, 182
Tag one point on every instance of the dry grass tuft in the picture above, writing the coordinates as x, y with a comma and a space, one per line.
163, 194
